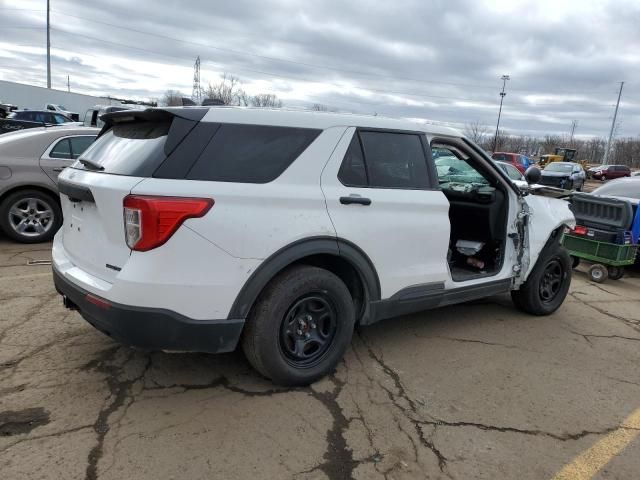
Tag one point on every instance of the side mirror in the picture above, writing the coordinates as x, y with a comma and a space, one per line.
532, 175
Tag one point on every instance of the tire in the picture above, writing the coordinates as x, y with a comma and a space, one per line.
598, 273
300, 326
615, 273
603, 178
30, 216
575, 261
547, 285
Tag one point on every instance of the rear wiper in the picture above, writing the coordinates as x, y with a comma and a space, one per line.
91, 165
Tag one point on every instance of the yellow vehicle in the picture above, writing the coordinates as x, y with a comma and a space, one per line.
560, 154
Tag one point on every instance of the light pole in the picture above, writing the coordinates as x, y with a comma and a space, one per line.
48, 48
502, 94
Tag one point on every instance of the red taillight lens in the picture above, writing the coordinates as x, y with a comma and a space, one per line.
149, 221
579, 230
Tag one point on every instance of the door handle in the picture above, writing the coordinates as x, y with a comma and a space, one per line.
58, 169
351, 199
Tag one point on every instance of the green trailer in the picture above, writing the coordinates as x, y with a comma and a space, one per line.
609, 259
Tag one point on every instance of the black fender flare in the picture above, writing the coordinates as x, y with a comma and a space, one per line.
299, 250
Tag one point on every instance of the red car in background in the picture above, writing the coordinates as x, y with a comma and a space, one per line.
521, 162
611, 171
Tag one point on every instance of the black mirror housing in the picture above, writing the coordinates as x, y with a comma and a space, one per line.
533, 174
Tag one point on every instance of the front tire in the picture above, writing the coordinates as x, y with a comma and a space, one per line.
547, 285
30, 216
300, 326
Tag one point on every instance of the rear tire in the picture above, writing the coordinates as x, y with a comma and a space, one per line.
615, 273
598, 273
547, 285
30, 216
300, 326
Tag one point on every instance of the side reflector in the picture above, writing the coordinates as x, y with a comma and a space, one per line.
97, 301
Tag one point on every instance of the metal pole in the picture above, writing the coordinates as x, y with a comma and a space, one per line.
502, 95
48, 49
68, 84
574, 124
613, 126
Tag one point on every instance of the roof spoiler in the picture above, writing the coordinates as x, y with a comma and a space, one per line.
154, 115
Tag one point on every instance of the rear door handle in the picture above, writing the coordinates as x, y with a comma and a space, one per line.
58, 169
355, 200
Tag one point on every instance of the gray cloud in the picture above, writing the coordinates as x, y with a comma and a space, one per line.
438, 60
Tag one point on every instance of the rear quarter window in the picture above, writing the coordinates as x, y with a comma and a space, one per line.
250, 153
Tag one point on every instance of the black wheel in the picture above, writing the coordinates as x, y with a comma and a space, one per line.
615, 273
547, 285
30, 216
575, 261
300, 326
598, 273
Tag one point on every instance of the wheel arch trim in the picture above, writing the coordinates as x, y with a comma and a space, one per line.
296, 251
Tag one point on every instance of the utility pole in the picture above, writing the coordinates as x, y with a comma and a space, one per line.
68, 84
502, 95
48, 48
574, 124
613, 126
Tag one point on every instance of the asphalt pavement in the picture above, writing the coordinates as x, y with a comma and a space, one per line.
476, 391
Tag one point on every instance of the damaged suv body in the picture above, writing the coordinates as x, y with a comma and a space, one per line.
198, 229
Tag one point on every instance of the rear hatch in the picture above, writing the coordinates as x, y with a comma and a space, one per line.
130, 148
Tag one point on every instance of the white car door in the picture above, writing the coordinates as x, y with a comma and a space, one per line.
382, 196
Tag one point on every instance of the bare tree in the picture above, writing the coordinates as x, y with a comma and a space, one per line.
318, 107
227, 91
476, 132
265, 100
172, 98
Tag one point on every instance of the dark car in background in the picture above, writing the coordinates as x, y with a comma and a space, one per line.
607, 172
565, 175
21, 119
521, 162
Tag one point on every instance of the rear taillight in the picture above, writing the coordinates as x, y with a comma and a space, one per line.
149, 221
579, 230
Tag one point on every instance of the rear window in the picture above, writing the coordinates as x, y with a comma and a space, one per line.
250, 153
129, 149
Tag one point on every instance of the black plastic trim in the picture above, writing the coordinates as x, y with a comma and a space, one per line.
76, 193
155, 114
151, 328
424, 297
296, 251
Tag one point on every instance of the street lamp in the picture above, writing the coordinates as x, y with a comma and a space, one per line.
502, 94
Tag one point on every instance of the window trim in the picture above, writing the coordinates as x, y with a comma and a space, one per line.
432, 177
47, 153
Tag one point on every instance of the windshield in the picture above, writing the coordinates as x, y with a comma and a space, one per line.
559, 167
620, 188
128, 149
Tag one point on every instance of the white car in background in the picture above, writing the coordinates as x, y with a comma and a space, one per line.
62, 109
197, 229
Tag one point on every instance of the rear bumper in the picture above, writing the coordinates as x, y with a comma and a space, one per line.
150, 328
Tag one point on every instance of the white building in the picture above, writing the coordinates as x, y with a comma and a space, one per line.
37, 98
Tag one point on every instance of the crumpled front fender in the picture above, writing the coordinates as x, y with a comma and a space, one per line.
545, 216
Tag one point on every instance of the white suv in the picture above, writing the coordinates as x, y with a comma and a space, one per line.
195, 229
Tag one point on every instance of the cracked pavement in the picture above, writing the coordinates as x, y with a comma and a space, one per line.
471, 391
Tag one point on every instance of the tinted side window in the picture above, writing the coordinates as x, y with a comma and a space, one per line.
250, 153
501, 157
395, 160
59, 118
353, 172
62, 149
79, 145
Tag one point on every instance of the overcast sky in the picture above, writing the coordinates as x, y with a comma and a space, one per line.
440, 59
